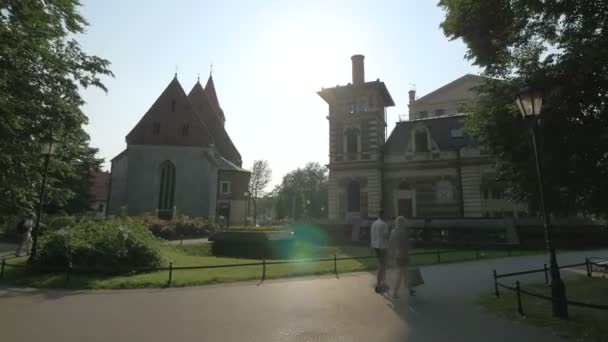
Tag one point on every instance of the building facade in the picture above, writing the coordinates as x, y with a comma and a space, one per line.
427, 167
180, 157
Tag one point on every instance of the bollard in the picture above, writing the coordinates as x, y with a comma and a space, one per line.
2, 269
546, 270
264, 269
181, 239
588, 265
520, 309
68, 272
170, 274
439, 256
496, 285
335, 264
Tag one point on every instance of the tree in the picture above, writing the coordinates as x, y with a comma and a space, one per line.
560, 48
42, 68
261, 175
303, 192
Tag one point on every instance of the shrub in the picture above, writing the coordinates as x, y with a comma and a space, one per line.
255, 245
59, 222
111, 246
181, 226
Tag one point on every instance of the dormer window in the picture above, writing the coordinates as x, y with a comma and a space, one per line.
439, 112
173, 105
421, 141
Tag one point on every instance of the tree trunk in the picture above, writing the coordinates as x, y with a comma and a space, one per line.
255, 211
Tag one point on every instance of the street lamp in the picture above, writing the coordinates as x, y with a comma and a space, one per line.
529, 102
48, 149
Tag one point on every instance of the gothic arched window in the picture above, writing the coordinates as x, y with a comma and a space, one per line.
166, 192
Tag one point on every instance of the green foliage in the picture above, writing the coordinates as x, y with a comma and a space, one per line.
559, 48
252, 244
106, 245
41, 71
298, 187
179, 227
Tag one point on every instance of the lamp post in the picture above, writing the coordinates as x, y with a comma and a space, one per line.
529, 102
49, 146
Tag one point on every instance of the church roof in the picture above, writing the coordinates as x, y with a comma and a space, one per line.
227, 165
202, 104
447, 131
171, 120
212, 96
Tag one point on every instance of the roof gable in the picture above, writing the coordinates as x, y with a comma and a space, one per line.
461, 89
171, 120
199, 99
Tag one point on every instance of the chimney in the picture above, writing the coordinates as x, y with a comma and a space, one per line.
412, 94
358, 69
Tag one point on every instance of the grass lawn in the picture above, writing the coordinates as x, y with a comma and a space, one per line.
200, 254
589, 325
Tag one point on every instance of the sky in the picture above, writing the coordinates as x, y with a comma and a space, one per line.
269, 60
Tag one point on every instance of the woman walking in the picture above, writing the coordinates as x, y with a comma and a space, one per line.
399, 246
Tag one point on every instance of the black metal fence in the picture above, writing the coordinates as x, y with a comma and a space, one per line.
438, 256
519, 291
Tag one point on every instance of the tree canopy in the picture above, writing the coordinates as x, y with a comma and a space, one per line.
299, 186
560, 48
42, 68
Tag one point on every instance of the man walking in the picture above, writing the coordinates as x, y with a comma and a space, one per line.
24, 228
379, 240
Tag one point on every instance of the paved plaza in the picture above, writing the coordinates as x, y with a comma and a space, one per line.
302, 309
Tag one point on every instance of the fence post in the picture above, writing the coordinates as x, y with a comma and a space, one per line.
588, 265
546, 270
170, 274
335, 264
181, 239
2, 269
439, 256
508, 250
520, 309
496, 285
263, 269
476, 253
68, 272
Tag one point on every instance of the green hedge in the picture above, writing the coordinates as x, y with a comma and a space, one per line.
112, 246
253, 245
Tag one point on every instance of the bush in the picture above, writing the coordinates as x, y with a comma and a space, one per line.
181, 226
255, 245
111, 246
59, 222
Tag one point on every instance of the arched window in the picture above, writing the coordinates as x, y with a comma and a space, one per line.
354, 197
352, 141
166, 192
421, 141
445, 191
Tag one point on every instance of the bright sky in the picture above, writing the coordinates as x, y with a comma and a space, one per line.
269, 60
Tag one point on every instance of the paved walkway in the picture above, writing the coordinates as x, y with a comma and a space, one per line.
7, 249
305, 309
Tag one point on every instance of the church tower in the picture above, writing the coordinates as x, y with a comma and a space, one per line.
357, 132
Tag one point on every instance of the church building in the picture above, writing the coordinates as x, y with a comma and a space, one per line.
426, 167
180, 157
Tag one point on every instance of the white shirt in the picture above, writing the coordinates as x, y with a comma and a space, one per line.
379, 234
